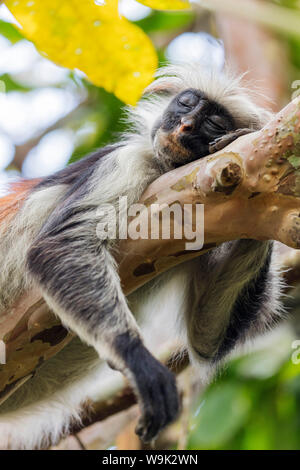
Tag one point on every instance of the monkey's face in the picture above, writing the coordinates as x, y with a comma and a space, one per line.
187, 127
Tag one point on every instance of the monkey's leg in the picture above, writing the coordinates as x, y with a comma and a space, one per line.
78, 277
220, 142
237, 297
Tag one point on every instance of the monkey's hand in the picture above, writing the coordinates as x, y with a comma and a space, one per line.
220, 142
154, 385
80, 282
159, 404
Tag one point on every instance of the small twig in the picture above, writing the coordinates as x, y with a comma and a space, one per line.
79, 441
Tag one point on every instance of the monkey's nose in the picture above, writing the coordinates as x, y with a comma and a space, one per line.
187, 124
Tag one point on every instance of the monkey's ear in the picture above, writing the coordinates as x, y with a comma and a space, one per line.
163, 85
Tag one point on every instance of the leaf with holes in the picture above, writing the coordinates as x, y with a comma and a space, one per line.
92, 37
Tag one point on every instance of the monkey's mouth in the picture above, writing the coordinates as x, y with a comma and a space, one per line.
178, 147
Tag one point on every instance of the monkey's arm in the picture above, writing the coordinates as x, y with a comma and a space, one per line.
78, 278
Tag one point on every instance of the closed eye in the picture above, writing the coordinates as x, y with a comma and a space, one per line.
216, 122
188, 100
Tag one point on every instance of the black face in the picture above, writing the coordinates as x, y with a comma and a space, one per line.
192, 121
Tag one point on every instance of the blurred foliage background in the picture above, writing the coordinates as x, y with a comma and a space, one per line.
255, 403
51, 116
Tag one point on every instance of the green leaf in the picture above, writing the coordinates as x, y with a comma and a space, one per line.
12, 85
10, 32
289, 3
166, 21
224, 411
294, 45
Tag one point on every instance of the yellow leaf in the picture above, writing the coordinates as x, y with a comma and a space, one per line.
113, 53
166, 4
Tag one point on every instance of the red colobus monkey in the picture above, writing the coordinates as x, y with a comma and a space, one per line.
48, 240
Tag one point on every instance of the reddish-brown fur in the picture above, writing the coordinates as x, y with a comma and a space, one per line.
10, 204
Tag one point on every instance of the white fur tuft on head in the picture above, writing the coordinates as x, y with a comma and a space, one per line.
223, 87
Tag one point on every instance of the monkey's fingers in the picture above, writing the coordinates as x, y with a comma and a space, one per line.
160, 404
221, 142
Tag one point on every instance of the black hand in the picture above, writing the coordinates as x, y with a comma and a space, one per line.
155, 387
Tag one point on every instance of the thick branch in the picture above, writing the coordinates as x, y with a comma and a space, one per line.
251, 189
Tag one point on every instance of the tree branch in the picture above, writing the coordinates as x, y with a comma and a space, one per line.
251, 189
